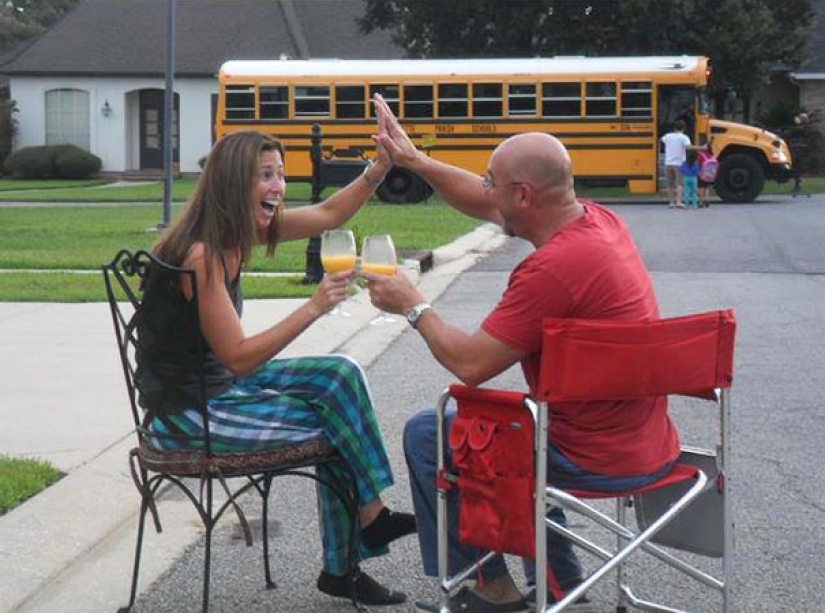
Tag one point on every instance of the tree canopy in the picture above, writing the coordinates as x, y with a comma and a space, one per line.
743, 38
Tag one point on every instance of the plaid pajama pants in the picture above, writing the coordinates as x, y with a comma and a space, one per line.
298, 400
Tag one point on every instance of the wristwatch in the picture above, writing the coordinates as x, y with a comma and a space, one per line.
414, 314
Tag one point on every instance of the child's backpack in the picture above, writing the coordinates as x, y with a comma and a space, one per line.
708, 167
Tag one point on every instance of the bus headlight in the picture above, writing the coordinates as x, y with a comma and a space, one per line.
778, 157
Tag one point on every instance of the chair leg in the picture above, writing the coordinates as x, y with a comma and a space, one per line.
621, 517
207, 558
270, 584
144, 507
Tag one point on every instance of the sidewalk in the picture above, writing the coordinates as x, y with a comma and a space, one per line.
70, 548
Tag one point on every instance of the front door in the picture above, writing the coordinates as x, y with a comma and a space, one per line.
151, 129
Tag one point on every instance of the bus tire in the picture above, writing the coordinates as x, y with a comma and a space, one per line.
401, 186
741, 178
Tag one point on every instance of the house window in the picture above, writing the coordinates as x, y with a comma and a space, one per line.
67, 117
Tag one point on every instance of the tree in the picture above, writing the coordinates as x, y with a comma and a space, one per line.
745, 39
23, 19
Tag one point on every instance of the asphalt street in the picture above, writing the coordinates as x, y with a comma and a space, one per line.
766, 261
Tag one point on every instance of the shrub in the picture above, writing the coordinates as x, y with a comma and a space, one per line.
52, 162
30, 163
8, 128
72, 162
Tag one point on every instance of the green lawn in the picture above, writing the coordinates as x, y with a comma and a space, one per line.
23, 478
84, 237
98, 191
12, 185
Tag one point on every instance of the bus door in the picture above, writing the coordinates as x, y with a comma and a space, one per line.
677, 102
674, 102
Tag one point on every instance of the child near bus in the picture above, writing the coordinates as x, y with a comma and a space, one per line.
690, 177
708, 169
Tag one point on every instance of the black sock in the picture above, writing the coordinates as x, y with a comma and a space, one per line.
387, 527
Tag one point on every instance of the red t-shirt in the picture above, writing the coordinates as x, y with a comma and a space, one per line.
590, 269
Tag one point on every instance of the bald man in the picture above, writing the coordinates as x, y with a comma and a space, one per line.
585, 265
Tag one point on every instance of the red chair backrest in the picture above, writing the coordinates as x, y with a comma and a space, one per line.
609, 359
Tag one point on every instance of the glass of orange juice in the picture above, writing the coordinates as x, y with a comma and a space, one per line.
378, 257
338, 255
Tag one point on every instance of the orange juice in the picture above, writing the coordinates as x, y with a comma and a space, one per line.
338, 263
379, 269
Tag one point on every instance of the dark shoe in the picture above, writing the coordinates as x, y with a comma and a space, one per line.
363, 588
582, 605
466, 601
387, 527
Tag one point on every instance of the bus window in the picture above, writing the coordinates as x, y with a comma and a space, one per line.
637, 99
561, 99
349, 102
601, 100
521, 99
273, 102
452, 100
312, 101
702, 104
390, 94
488, 100
240, 102
418, 101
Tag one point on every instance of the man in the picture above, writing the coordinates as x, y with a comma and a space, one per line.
585, 266
676, 144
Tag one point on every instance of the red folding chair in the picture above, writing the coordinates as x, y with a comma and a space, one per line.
588, 360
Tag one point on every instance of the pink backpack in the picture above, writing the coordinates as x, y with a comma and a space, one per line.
708, 167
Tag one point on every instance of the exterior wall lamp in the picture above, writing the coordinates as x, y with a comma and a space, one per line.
106, 109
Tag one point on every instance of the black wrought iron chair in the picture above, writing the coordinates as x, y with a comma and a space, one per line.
151, 467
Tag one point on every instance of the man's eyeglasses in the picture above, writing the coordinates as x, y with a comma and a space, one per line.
487, 183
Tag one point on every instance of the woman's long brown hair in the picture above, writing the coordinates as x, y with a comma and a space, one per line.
220, 213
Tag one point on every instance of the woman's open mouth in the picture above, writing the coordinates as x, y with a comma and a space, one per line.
269, 206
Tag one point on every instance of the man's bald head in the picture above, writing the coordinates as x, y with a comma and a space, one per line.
538, 159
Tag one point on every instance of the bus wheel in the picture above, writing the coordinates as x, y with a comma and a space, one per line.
740, 178
401, 186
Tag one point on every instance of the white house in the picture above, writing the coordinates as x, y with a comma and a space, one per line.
97, 78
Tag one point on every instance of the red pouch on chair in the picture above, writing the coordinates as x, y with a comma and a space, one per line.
491, 439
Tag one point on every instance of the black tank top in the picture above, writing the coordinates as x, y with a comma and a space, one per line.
167, 375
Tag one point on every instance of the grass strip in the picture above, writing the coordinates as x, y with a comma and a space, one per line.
22, 478
89, 287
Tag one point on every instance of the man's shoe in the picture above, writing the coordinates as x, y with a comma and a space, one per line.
359, 586
466, 601
582, 605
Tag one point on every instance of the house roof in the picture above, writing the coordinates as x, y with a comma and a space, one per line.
814, 68
128, 37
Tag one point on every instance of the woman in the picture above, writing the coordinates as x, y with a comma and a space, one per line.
255, 402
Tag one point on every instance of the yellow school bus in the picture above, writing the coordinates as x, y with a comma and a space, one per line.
609, 113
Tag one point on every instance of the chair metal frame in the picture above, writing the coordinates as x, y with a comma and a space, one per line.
124, 277
689, 476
